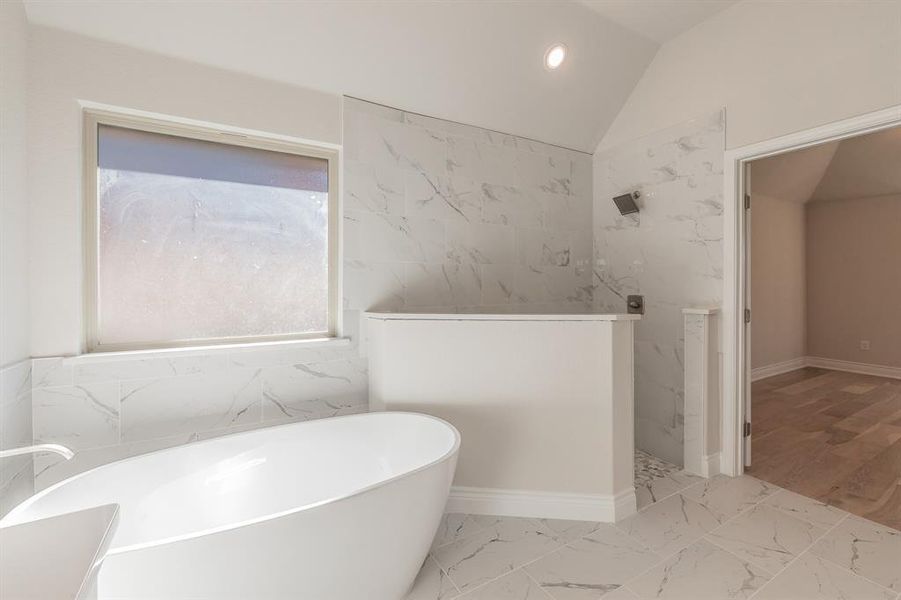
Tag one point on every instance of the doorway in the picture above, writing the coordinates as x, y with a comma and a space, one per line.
821, 274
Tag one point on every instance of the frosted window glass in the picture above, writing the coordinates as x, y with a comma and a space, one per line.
200, 240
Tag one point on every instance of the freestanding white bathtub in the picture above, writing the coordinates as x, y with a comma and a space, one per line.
335, 509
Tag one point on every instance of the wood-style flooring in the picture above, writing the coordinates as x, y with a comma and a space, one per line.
833, 436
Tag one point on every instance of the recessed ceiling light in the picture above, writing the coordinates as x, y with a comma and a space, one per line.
554, 56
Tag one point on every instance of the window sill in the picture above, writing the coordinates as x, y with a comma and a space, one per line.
332, 342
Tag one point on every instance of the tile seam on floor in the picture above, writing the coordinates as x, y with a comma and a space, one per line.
844, 568
536, 582
493, 579
463, 537
703, 536
785, 511
798, 557
679, 491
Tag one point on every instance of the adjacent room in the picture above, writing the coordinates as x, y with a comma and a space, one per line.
825, 339
450, 299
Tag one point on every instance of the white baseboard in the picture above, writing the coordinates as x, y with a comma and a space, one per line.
543, 505
710, 465
778, 368
854, 367
825, 363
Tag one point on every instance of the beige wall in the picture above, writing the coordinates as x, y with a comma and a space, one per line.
776, 66
66, 69
778, 294
13, 206
854, 280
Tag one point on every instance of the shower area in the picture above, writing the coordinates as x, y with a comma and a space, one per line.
441, 217
670, 253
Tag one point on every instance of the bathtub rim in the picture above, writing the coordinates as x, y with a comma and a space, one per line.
112, 551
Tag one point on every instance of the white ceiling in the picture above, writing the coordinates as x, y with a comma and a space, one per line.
658, 20
477, 62
794, 176
859, 167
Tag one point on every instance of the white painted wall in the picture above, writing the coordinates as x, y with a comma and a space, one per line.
16, 474
777, 67
853, 283
14, 333
477, 62
66, 69
778, 281
553, 428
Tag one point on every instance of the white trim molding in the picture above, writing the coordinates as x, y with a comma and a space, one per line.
710, 465
831, 364
544, 505
778, 368
736, 371
853, 367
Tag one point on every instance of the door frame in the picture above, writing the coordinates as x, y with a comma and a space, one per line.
736, 335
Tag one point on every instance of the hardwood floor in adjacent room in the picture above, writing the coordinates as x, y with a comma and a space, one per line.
833, 436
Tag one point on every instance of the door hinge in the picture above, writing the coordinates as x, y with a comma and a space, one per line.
747, 430
747, 315
747, 201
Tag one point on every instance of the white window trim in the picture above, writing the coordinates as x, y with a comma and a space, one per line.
92, 119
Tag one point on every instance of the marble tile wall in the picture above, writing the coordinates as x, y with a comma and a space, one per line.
670, 252
440, 215
437, 215
106, 409
16, 473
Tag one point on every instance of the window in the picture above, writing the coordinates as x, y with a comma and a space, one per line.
198, 237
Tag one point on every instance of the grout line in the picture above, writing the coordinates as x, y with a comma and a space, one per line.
846, 569
521, 567
799, 555
535, 581
703, 537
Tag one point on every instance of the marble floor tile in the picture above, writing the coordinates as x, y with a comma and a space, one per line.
621, 593
432, 583
766, 537
810, 510
812, 578
496, 550
590, 567
866, 548
513, 586
728, 496
657, 489
701, 570
670, 525
567, 531
455, 526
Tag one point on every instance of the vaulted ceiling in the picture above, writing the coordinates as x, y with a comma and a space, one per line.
658, 20
858, 167
479, 62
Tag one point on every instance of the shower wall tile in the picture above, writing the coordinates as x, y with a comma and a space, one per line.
670, 252
373, 285
480, 244
473, 199
508, 205
374, 190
